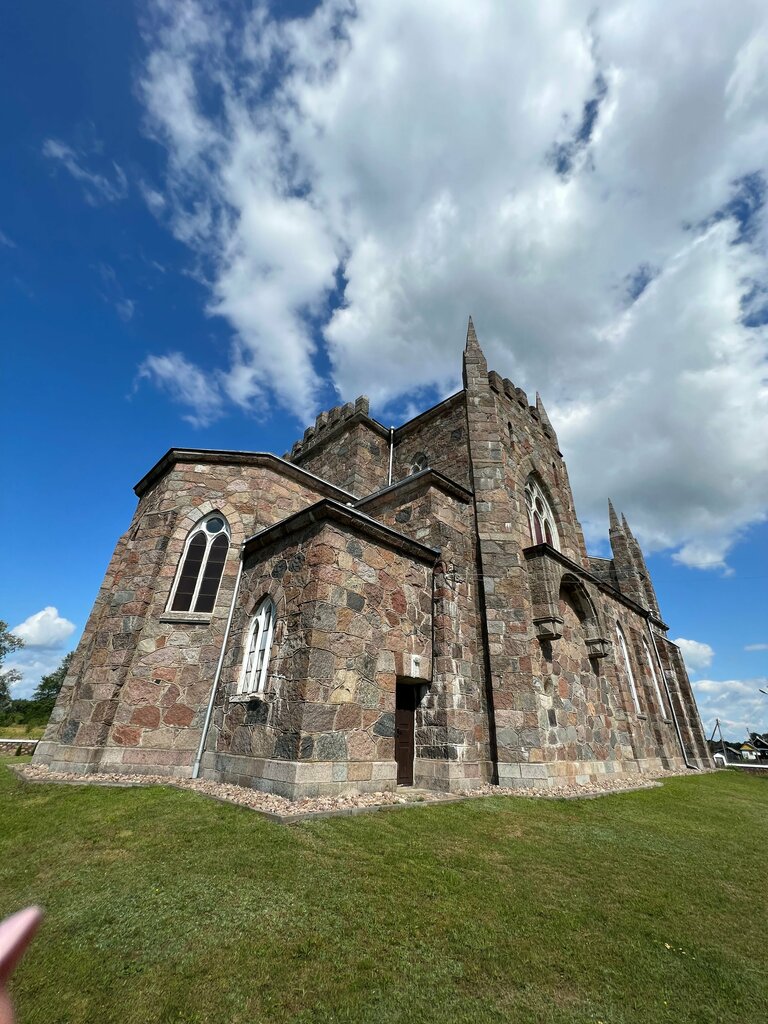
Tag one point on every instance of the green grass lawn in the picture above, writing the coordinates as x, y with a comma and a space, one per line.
164, 906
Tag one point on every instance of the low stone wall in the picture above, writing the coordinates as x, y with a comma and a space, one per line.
17, 747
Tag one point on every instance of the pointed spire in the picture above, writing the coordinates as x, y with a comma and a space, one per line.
625, 527
544, 417
475, 366
472, 342
613, 519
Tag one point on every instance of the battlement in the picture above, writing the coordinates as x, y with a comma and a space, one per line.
326, 421
504, 386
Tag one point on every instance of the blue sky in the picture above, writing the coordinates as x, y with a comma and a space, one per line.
215, 223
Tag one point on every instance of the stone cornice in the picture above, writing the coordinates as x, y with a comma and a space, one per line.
328, 510
418, 482
235, 458
546, 550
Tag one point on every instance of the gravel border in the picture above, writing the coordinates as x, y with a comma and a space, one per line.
284, 811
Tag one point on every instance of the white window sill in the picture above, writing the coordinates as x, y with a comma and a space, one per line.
187, 618
246, 698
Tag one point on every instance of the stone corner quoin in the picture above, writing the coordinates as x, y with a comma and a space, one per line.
377, 607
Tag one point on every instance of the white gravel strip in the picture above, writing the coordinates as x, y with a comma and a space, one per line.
271, 804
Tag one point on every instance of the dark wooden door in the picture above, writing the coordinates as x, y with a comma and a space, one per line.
405, 709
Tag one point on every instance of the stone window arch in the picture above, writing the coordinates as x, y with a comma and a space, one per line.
253, 674
628, 667
419, 462
654, 677
201, 566
541, 519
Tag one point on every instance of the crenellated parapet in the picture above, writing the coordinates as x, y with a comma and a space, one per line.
325, 422
536, 413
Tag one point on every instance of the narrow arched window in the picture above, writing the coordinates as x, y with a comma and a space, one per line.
540, 517
202, 564
420, 462
654, 677
628, 666
253, 675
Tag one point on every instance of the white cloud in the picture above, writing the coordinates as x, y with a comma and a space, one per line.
6, 241
97, 188
696, 655
186, 384
45, 629
738, 704
125, 309
32, 664
367, 176
756, 647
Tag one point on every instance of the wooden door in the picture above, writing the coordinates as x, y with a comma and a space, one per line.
405, 714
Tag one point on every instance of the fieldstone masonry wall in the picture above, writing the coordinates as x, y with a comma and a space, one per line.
354, 616
434, 580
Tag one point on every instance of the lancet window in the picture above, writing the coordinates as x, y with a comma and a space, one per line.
628, 667
654, 677
202, 564
253, 675
540, 517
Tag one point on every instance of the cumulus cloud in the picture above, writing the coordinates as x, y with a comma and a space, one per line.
756, 647
45, 629
738, 703
696, 655
355, 182
187, 384
97, 188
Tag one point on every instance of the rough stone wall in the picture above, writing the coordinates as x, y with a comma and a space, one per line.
452, 734
353, 615
352, 454
531, 447
137, 689
559, 696
441, 436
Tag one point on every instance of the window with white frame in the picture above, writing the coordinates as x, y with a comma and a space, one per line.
654, 677
201, 567
540, 517
628, 667
253, 675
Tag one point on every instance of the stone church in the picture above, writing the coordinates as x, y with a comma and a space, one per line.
379, 607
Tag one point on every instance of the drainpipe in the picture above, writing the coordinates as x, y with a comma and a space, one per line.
391, 453
217, 675
669, 697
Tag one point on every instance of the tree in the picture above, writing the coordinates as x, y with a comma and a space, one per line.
48, 688
8, 644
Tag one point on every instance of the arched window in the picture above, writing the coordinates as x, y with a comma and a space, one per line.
540, 518
628, 667
199, 576
654, 677
420, 462
253, 675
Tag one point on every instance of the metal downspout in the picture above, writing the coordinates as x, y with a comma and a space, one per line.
391, 453
688, 764
217, 675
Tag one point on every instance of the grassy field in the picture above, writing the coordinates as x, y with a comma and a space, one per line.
21, 732
164, 906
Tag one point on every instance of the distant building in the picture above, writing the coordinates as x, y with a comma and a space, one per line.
378, 607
